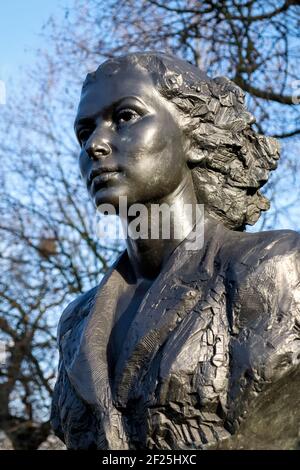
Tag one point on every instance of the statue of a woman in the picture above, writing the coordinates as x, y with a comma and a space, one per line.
181, 348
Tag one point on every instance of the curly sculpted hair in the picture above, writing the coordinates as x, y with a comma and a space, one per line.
229, 161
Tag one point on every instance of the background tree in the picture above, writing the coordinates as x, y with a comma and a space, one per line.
49, 249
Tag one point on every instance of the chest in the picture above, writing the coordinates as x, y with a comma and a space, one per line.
176, 380
176, 347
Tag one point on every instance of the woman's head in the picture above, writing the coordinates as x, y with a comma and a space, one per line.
132, 146
228, 160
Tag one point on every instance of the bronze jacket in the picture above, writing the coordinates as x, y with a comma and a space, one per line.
211, 359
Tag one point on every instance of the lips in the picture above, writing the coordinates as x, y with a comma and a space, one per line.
100, 176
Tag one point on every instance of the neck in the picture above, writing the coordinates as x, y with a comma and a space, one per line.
150, 249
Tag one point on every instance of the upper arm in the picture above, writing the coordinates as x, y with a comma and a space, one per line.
266, 310
68, 411
74, 312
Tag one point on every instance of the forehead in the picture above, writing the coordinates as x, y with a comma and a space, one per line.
108, 89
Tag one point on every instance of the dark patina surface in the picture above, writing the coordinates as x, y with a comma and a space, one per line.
180, 348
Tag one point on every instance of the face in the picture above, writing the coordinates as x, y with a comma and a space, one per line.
131, 143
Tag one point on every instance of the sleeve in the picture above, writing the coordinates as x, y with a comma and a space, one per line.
267, 308
55, 408
264, 397
71, 418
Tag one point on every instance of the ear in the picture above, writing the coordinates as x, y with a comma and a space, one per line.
195, 155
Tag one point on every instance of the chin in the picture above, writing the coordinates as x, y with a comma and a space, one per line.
110, 196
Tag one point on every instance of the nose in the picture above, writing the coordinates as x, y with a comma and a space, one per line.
98, 148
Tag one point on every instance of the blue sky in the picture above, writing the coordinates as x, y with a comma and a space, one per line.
21, 23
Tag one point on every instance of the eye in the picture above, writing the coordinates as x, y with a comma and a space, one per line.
125, 116
83, 134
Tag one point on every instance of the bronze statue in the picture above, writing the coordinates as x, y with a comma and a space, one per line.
180, 348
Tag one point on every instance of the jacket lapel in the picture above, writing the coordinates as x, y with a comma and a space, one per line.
88, 370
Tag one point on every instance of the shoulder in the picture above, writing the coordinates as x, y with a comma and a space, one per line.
265, 275
255, 250
279, 242
272, 256
76, 311
265, 296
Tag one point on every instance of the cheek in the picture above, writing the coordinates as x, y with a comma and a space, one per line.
83, 164
145, 139
155, 160
155, 143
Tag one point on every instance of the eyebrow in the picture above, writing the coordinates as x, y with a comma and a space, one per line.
114, 105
